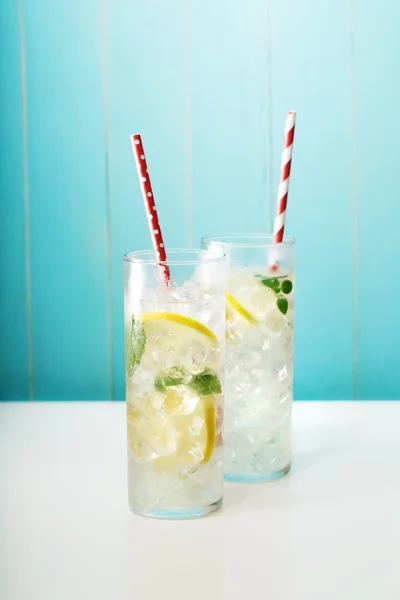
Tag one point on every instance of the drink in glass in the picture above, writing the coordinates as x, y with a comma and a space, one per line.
174, 353
259, 355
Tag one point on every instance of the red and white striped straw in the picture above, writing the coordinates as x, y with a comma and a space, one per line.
286, 163
149, 204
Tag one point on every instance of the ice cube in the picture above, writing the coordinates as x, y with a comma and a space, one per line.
194, 356
189, 400
188, 292
196, 425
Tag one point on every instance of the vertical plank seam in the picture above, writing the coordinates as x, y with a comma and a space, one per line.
188, 125
353, 117
270, 119
25, 167
106, 126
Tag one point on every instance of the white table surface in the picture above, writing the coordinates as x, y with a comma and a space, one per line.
328, 531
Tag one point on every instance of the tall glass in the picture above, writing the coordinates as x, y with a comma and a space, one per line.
174, 358
259, 355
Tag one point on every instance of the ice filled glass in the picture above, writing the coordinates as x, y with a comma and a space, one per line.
259, 355
174, 359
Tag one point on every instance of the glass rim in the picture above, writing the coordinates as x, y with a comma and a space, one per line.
243, 240
136, 257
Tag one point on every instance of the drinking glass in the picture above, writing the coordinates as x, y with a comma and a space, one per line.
259, 354
174, 358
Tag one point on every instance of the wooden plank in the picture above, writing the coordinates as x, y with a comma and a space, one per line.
68, 200
14, 372
377, 96
311, 73
145, 65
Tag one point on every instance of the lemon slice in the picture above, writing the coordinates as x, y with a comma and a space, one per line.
152, 319
174, 339
179, 437
253, 301
209, 428
240, 309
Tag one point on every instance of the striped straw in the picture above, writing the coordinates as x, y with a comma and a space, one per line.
149, 204
286, 163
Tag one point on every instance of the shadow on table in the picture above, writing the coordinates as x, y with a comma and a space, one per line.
278, 492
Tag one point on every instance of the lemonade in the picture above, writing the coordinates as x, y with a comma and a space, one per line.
259, 358
174, 350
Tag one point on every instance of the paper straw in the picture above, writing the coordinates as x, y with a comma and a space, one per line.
286, 163
149, 204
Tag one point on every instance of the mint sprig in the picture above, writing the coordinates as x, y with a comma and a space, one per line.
204, 384
135, 342
277, 286
174, 376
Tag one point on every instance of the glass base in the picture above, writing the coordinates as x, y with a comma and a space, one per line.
185, 513
256, 477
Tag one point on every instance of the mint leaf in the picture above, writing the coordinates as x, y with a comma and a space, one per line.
283, 305
287, 286
135, 342
272, 282
174, 376
168, 381
159, 384
205, 383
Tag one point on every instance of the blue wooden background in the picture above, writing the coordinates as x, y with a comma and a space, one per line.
207, 84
